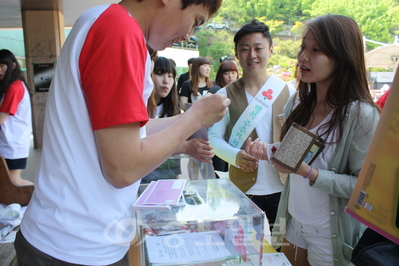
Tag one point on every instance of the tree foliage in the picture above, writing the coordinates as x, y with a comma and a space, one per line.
377, 19
214, 45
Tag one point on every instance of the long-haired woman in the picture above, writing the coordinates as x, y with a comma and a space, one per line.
165, 92
334, 102
199, 83
196, 87
15, 117
166, 104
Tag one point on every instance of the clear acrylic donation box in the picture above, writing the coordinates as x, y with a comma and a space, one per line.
217, 225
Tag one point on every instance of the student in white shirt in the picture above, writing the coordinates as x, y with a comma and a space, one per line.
98, 141
15, 117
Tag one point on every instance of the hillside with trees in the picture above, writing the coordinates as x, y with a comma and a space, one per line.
378, 20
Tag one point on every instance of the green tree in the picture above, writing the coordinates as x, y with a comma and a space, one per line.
214, 45
288, 48
275, 26
241, 11
284, 57
286, 10
297, 29
377, 19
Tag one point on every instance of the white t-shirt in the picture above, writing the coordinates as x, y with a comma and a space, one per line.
310, 205
102, 79
17, 128
159, 110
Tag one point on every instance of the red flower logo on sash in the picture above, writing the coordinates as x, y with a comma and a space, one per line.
267, 94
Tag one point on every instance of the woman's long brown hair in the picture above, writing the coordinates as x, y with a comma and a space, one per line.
340, 38
171, 106
194, 74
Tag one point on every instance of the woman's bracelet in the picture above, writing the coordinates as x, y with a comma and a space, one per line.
310, 173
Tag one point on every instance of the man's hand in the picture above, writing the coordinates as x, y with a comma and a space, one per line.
246, 162
199, 149
257, 149
210, 108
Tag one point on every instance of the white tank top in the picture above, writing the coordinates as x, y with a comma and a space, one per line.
306, 204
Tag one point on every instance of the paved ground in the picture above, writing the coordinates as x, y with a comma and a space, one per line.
33, 163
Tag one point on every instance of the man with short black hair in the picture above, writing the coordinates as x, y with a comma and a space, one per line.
257, 179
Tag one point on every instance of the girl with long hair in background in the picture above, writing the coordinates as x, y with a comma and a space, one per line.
164, 103
15, 117
199, 83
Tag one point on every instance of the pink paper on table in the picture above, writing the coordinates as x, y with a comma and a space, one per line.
139, 204
167, 191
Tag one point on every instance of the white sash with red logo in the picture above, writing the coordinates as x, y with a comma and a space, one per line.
255, 110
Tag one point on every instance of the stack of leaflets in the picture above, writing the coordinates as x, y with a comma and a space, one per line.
298, 145
199, 248
162, 195
275, 259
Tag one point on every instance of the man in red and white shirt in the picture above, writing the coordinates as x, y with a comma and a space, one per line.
98, 141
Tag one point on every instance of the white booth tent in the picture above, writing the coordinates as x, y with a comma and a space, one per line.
384, 56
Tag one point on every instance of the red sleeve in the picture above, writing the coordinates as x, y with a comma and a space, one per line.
112, 67
381, 101
12, 98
